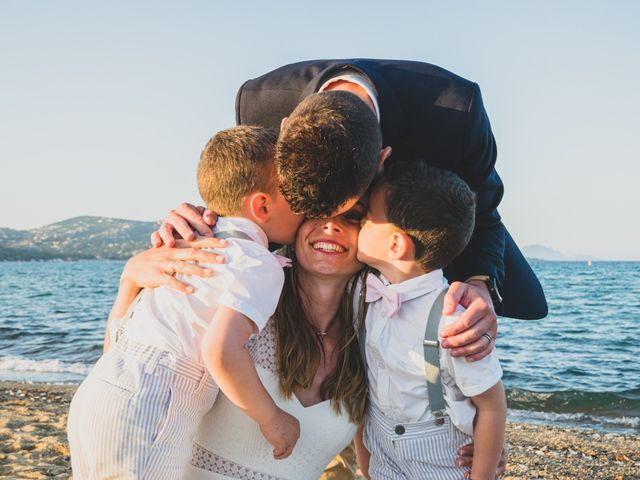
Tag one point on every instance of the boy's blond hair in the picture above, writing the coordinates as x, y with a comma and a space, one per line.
235, 163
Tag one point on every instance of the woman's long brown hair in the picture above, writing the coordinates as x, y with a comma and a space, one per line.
299, 348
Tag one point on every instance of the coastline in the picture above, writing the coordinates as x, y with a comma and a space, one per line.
33, 442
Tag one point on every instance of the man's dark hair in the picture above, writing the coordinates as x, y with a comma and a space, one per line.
435, 207
236, 162
327, 152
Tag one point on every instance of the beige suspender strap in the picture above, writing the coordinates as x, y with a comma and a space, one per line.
432, 359
233, 234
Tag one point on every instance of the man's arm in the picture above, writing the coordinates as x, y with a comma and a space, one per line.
229, 362
467, 336
485, 253
184, 222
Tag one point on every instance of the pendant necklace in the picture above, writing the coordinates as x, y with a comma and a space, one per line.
326, 332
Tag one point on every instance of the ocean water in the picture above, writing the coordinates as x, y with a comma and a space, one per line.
579, 367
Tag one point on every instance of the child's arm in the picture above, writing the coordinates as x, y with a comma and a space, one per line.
488, 432
362, 454
230, 363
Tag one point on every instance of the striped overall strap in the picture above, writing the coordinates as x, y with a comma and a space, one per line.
432, 360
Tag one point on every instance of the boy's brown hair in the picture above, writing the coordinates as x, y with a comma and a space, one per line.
236, 162
435, 207
327, 152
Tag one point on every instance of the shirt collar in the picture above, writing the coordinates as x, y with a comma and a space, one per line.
361, 80
417, 286
244, 225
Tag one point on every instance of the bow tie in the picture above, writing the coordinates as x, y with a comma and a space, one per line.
282, 260
377, 290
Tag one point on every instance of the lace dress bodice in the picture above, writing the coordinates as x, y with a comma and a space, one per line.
229, 443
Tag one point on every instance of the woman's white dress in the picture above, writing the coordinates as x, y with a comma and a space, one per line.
229, 443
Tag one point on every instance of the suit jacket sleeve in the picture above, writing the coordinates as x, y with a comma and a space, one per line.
485, 253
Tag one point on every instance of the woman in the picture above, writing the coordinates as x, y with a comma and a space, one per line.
307, 357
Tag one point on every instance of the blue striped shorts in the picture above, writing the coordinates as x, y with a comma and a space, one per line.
136, 414
408, 451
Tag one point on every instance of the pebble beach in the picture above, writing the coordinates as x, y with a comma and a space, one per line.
33, 442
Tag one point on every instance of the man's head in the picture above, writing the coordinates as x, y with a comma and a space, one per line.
417, 213
327, 153
237, 177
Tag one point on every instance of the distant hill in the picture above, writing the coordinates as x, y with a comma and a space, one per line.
77, 238
541, 252
114, 238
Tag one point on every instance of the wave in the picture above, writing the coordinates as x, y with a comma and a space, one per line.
624, 403
607, 423
41, 295
16, 364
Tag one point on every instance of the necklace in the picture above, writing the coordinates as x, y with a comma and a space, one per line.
326, 332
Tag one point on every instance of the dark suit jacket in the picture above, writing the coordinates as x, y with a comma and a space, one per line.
425, 112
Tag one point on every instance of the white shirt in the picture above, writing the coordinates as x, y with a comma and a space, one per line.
395, 358
250, 282
358, 79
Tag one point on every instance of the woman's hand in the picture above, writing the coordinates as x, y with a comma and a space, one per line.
469, 335
465, 459
158, 266
183, 222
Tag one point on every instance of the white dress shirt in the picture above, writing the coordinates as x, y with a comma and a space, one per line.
395, 358
358, 79
250, 282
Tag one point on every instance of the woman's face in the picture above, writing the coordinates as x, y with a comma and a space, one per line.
329, 246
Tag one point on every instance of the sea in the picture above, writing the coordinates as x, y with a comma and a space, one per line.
579, 367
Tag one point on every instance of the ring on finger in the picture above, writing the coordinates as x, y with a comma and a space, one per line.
488, 337
173, 269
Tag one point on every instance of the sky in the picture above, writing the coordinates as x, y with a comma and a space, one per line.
105, 106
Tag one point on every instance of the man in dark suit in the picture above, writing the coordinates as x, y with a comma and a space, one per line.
424, 112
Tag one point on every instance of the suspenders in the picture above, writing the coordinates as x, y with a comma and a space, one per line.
233, 234
431, 345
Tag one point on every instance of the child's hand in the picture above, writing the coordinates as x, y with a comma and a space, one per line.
282, 432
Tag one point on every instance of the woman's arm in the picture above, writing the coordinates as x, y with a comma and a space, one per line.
488, 432
156, 267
